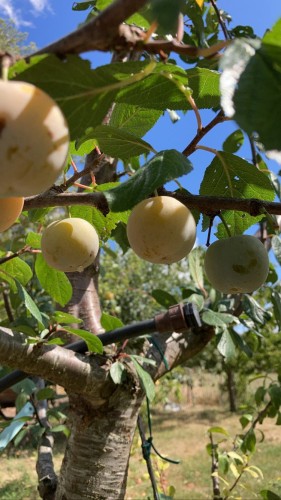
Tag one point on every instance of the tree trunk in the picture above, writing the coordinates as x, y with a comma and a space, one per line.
96, 461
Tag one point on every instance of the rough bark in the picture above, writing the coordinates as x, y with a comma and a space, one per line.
97, 455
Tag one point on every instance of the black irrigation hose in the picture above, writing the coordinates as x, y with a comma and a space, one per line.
106, 338
178, 318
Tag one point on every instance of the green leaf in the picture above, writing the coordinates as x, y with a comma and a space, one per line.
259, 395
46, 393
230, 176
116, 142
86, 101
94, 344
117, 372
276, 247
16, 425
145, 380
142, 360
163, 298
56, 341
214, 318
33, 240
274, 391
245, 420
205, 87
17, 269
235, 456
276, 301
218, 430
38, 214
240, 343
61, 428
166, 13
166, 88
195, 261
83, 5
249, 101
109, 322
29, 302
163, 167
65, 318
134, 119
254, 310
104, 225
249, 442
198, 300
269, 495
226, 345
233, 142
55, 283
119, 234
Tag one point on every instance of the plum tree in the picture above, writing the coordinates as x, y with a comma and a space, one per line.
237, 265
161, 230
70, 244
10, 209
34, 139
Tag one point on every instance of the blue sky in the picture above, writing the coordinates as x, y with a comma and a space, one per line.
48, 20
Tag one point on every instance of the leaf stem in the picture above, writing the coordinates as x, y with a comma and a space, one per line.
196, 111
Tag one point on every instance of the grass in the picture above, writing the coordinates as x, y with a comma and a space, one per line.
185, 436
178, 435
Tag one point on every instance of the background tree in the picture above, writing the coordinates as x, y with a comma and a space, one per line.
12, 40
109, 110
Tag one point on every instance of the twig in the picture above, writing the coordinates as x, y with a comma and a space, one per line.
47, 477
214, 470
25, 249
7, 304
147, 458
77, 175
219, 118
254, 152
221, 21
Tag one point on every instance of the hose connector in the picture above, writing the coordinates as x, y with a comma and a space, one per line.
178, 318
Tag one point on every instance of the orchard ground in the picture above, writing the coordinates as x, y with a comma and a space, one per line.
176, 434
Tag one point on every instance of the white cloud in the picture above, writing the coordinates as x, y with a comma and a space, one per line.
40, 5
19, 13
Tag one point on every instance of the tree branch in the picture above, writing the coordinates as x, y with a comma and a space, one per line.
106, 32
77, 373
205, 204
102, 33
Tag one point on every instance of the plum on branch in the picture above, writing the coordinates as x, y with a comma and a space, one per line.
34, 139
238, 264
10, 210
161, 230
70, 244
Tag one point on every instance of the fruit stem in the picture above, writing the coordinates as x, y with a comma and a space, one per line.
225, 224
